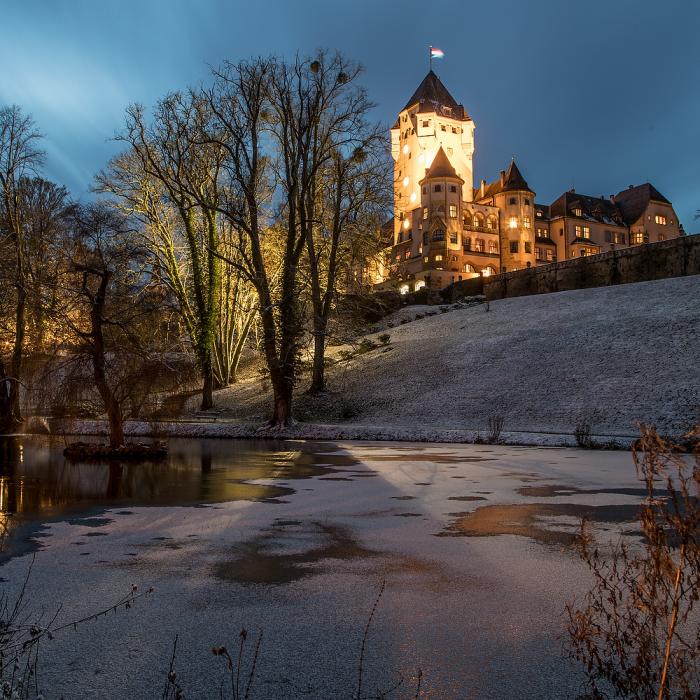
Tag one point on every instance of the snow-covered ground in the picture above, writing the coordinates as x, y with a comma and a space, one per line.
610, 356
474, 543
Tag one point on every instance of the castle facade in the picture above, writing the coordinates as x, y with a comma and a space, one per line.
445, 229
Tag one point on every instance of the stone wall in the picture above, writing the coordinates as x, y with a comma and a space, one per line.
677, 257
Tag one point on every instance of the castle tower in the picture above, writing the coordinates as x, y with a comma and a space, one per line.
432, 119
516, 201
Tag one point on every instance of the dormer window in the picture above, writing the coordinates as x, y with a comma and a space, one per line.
578, 212
660, 219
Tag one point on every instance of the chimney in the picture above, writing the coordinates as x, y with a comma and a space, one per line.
483, 187
503, 177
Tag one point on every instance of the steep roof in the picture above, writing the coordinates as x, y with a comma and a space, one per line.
592, 208
633, 201
432, 96
510, 181
441, 166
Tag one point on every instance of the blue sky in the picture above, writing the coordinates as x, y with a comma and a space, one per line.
596, 95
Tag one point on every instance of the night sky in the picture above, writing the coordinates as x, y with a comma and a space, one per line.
595, 94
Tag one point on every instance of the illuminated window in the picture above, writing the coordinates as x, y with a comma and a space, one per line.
637, 238
468, 268
578, 212
488, 271
493, 247
513, 222
491, 223
660, 219
619, 237
528, 247
425, 212
538, 253
438, 258
526, 222
453, 211
425, 259
514, 246
541, 233
407, 253
538, 214
586, 231
550, 255
479, 245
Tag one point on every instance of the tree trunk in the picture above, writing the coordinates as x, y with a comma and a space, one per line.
15, 412
5, 402
318, 379
282, 408
208, 383
99, 364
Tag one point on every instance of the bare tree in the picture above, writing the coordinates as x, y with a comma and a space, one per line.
111, 309
353, 200
19, 156
170, 177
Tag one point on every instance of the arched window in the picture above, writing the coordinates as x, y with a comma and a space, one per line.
468, 268
478, 220
439, 235
488, 271
467, 221
491, 223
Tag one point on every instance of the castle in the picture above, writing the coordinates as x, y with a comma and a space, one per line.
444, 229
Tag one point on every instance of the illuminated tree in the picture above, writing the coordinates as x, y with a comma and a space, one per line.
19, 157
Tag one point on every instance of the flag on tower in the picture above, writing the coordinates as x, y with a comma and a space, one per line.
436, 53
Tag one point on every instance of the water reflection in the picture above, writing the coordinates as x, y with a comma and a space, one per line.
38, 483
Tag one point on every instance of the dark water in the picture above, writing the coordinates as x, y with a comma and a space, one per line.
38, 484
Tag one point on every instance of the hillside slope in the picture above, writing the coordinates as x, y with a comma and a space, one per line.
611, 356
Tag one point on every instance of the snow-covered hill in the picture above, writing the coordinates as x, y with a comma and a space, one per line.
611, 356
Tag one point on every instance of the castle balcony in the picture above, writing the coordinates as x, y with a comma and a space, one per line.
480, 229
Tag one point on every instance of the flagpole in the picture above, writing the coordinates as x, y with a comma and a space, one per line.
430, 56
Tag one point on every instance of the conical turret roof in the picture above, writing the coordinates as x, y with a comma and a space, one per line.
514, 179
432, 96
441, 166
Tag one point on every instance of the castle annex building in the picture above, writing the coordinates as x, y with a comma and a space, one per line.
445, 229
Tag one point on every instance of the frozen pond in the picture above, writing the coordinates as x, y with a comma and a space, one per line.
295, 538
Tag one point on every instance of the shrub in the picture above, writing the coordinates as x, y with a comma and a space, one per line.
636, 631
384, 338
495, 429
582, 433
